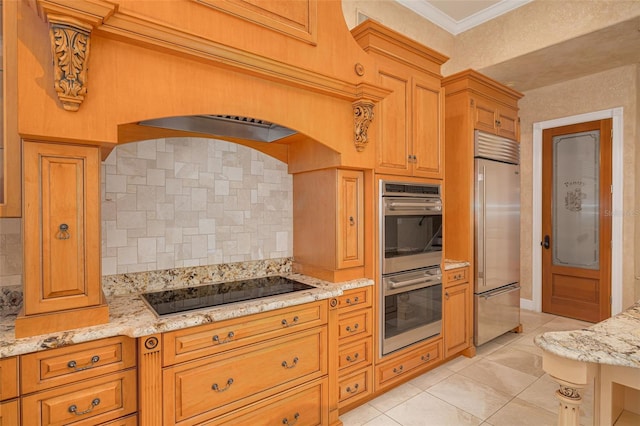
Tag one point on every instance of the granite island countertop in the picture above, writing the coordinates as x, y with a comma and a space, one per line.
130, 316
614, 341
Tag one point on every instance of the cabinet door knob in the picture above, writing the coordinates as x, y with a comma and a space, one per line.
446, 295
351, 221
63, 232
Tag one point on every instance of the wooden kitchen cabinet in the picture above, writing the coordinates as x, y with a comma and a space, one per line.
492, 117
457, 311
62, 279
10, 412
411, 118
403, 365
355, 346
8, 378
84, 384
328, 224
472, 102
272, 365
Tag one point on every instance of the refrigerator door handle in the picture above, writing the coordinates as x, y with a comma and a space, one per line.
482, 219
498, 293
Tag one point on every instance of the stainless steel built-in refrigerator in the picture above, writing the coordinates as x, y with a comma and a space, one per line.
497, 237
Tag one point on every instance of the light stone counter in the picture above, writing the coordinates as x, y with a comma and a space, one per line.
454, 264
608, 351
614, 341
130, 316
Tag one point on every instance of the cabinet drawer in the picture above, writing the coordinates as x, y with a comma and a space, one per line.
355, 386
389, 371
196, 342
126, 421
354, 325
55, 367
9, 413
354, 299
202, 389
86, 403
302, 406
457, 276
8, 378
355, 355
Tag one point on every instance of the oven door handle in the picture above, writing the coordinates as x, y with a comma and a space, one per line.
425, 206
436, 279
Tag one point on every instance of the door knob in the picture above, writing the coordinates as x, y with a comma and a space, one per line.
545, 242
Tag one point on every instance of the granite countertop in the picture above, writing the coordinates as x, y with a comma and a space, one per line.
453, 264
130, 316
614, 341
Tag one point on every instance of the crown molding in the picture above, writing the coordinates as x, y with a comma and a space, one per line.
444, 21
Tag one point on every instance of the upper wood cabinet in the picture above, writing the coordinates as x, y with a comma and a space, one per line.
411, 119
328, 223
495, 118
62, 242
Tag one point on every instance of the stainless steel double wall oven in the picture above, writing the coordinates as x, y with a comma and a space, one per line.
411, 255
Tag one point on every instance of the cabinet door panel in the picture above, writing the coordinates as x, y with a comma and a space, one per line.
457, 318
484, 115
62, 214
350, 219
393, 142
427, 127
508, 123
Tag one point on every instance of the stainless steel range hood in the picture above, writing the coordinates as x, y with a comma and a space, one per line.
224, 125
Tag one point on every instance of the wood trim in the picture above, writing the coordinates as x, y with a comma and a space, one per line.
11, 203
474, 82
150, 380
305, 31
145, 32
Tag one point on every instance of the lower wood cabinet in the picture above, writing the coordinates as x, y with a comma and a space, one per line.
88, 402
302, 405
397, 368
457, 311
267, 368
206, 388
84, 384
10, 412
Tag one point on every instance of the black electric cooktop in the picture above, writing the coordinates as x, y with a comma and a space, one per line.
206, 296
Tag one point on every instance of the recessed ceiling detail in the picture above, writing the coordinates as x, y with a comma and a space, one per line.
459, 16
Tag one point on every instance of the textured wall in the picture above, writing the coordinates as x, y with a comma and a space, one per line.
171, 203
614, 88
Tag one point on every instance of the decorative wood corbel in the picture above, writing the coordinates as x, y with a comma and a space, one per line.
363, 115
70, 46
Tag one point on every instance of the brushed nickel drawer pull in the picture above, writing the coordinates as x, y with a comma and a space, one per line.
74, 408
285, 323
355, 388
285, 421
352, 330
426, 357
216, 388
399, 369
229, 337
354, 359
74, 365
287, 366
355, 301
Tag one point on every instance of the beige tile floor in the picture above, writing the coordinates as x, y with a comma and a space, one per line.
503, 385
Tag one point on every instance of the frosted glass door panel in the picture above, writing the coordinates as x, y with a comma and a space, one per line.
576, 166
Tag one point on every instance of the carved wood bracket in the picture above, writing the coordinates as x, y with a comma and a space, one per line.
70, 46
363, 115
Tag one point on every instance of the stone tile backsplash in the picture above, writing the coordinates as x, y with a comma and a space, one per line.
178, 203
182, 202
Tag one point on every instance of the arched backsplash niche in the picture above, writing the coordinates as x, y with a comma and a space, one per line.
182, 202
